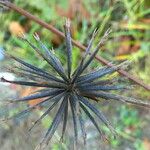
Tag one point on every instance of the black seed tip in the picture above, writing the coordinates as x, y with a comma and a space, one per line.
3, 79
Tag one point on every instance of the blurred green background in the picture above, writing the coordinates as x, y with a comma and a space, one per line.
130, 40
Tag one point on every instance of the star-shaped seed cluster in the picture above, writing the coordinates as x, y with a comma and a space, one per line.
72, 89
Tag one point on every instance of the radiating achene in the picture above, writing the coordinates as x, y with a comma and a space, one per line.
69, 88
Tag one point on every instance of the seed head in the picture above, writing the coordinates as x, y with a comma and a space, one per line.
74, 89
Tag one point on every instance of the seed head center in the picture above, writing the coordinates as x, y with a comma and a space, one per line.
70, 87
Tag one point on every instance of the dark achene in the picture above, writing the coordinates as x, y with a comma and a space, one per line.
68, 88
